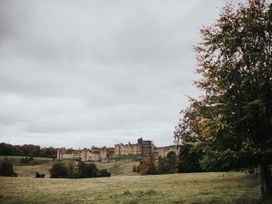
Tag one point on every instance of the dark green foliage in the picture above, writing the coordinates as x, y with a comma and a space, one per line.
26, 160
30, 150
90, 170
6, 169
70, 169
27, 150
38, 175
220, 160
172, 162
163, 166
189, 159
77, 169
58, 170
134, 168
8, 149
232, 121
83, 170
168, 165
48, 152
103, 173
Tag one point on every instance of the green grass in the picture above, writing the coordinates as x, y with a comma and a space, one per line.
233, 187
126, 186
42, 165
39, 164
119, 168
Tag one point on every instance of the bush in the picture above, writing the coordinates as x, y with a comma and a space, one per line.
172, 162
26, 160
189, 159
6, 169
38, 175
148, 166
134, 168
104, 173
168, 165
83, 170
77, 170
163, 166
58, 170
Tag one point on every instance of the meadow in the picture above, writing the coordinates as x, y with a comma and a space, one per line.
126, 186
42, 165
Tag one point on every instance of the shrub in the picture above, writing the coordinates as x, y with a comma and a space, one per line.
58, 170
168, 165
77, 170
134, 168
70, 170
6, 169
38, 175
26, 160
189, 159
172, 162
83, 170
163, 166
104, 173
148, 166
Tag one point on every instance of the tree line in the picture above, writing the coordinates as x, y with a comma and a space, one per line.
149, 166
77, 169
27, 150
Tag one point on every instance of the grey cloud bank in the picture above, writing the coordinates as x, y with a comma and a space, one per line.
82, 73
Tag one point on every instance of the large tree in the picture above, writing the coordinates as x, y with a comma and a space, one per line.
235, 113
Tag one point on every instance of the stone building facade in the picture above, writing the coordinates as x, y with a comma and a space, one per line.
142, 147
163, 151
94, 154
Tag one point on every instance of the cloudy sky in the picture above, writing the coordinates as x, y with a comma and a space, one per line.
83, 73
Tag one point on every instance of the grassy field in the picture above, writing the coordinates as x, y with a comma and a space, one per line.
126, 186
230, 187
119, 168
42, 165
39, 164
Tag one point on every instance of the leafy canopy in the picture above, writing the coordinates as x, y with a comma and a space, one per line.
232, 121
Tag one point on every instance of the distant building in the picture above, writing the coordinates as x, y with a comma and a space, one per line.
142, 147
146, 146
63, 154
94, 154
164, 151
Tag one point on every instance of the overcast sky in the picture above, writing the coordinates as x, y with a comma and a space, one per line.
82, 73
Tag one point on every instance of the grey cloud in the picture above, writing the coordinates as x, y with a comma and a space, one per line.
82, 73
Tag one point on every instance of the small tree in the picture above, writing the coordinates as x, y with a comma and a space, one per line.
134, 168
189, 159
163, 166
103, 173
168, 165
6, 169
84, 170
148, 166
58, 170
172, 162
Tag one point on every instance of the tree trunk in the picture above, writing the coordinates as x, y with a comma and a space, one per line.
266, 182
